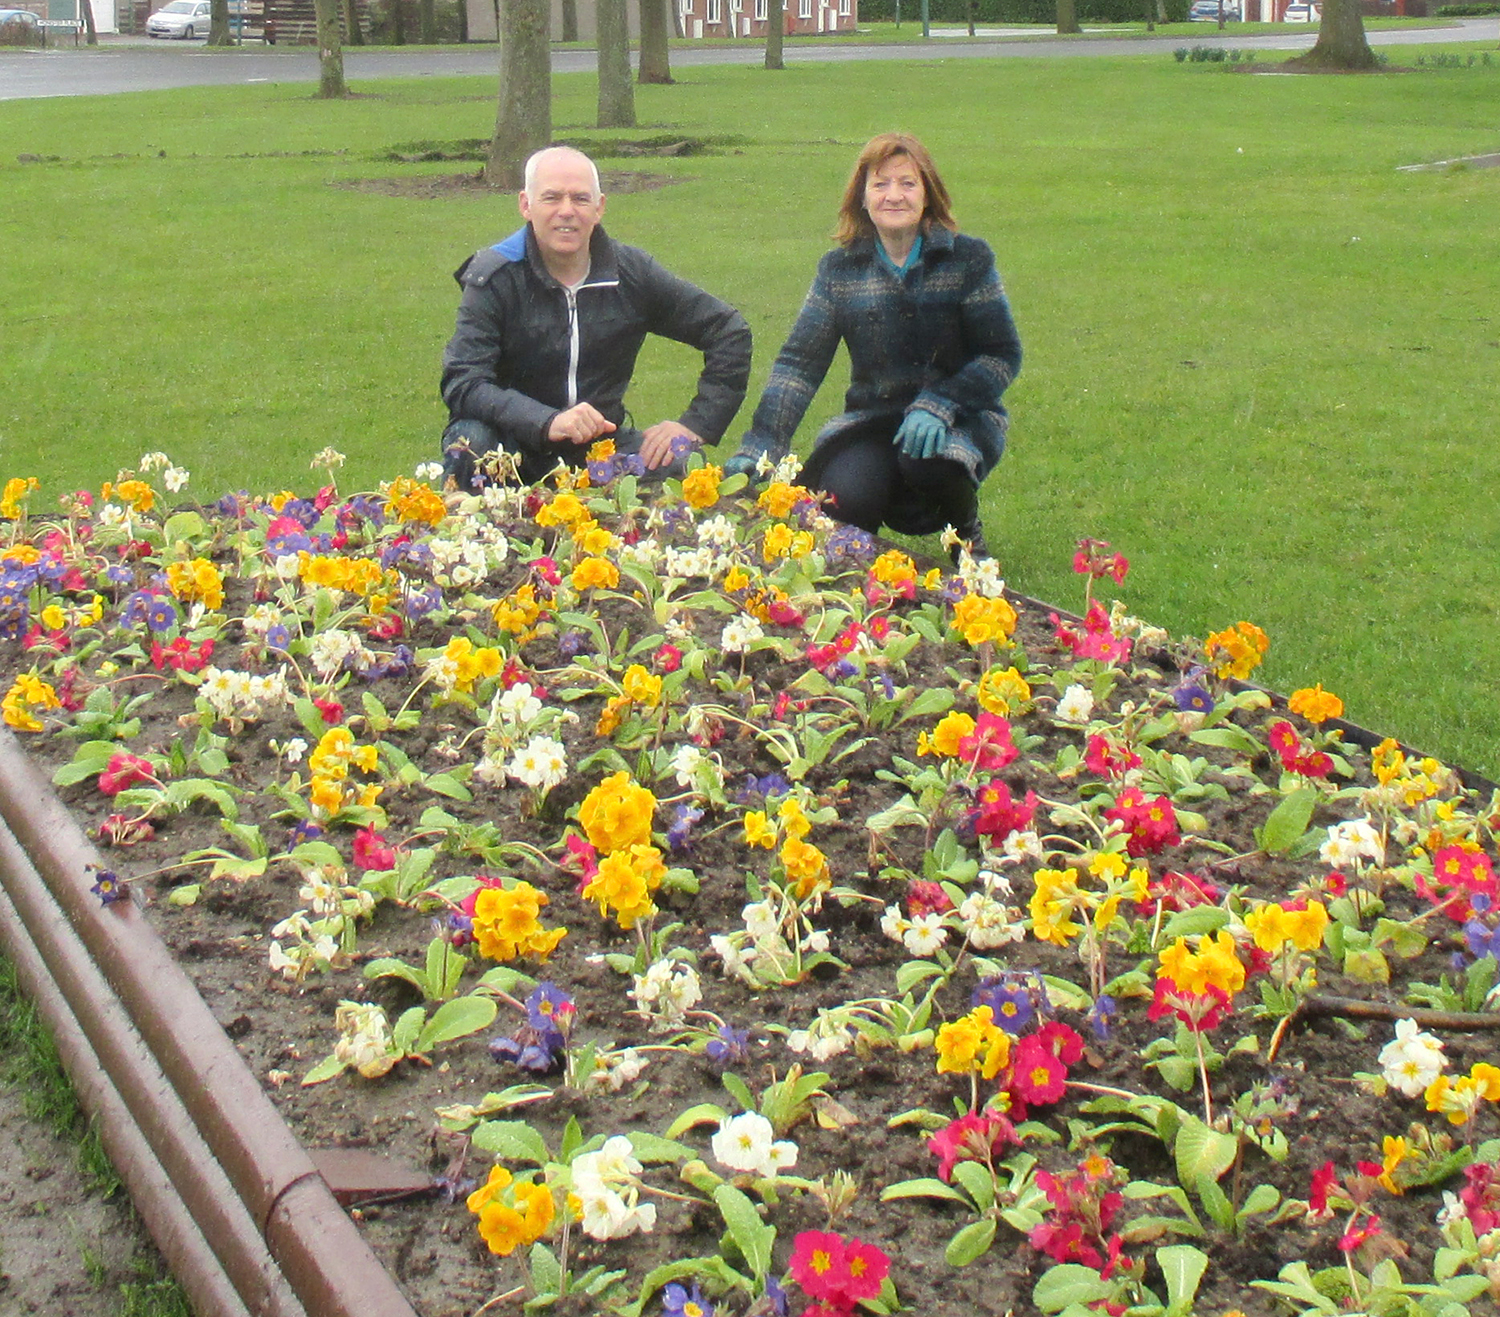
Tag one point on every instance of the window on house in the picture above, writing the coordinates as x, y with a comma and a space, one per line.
714, 15
804, 8
844, 8
760, 11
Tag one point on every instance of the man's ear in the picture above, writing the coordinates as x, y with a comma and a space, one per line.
523, 203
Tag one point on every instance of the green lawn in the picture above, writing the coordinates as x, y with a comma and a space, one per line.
1260, 360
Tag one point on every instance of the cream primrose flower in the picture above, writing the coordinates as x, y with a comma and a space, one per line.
666, 992
825, 1038
737, 959
761, 921
608, 1192
816, 941
747, 1142
894, 924
1411, 1060
925, 935
175, 479
1124, 624
982, 576
334, 650
151, 461
740, 633
685, 763
1351, 843
1076, 705
719, 533
320, 893
645, 551
684, 564
613, 1070
542, 763
1022, 848
993, 882
988, 923
364, 1038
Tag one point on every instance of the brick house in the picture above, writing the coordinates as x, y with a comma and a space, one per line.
747, 18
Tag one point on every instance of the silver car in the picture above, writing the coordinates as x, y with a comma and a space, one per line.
181, 18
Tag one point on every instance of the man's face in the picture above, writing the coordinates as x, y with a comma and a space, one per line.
563, 207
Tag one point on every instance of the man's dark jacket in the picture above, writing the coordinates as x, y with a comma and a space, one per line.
524, 350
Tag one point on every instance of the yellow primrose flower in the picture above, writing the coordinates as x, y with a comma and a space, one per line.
973, 1043
617, 813
1000, 691
793, 821
196, 580
412, 500
806, 866
596, 539
16, 489
507, 923
1215, 963
777, 542
779, 498
518, 614
700, 488
946, 736
624, 883
1054, 903
979, 620
28, 693
736, 578
563, 510
595, 573
1315, 704
641, 686
1236, 651
758, 830
894, 569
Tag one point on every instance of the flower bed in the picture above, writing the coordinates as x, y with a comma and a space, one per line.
735, 916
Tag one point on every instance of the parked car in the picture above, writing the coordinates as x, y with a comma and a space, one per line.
182, 18
1300, 12
1207, 11
20, 27
21, 17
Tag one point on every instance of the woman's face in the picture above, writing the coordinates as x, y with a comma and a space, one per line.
895, 198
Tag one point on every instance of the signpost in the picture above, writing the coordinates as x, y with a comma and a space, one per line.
73, 25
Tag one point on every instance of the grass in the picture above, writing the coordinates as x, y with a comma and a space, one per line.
1260, 361
32, 1069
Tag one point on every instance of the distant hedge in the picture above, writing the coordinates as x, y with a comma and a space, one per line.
1442, 11
1020, 11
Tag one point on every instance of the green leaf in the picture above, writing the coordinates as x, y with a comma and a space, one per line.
1228, 737
653, 1149
972, 1242
705, 1113
1201, 1151
914, 972
185, 895
1215, 1202
753, 1237
1069, 1283
546, 1273
976, 1178
456, 1019
446, 784
923, 1188
326, 1069
933, 700
1262, 1198
1286, 824
1196, 919
1182, 1266
739, 1091
511, 1140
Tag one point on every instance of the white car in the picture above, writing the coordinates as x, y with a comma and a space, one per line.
1301, 12
181, 18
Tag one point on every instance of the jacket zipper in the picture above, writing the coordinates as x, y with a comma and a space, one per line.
571, 293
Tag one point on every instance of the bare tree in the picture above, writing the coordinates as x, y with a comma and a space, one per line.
354, 34
775, 22
570, 20
330, 51
523, 119
1341, 40
218, 24
88, 23
616, 89
427, 22
655, 65
1067, 17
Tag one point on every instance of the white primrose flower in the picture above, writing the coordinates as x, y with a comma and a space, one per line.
608, 1192
364, 1038
542, 763
737, 959
982, 576
816, 941
1411, 1060
740, 633
1022, 848
685, 763
719, 532
761, 921
747, 1143
1351, 843
1076, 705
826, 1037
429, 471
175, 479
988, 922
894, 924
686, 563
666, 992
925, 935
613, 1070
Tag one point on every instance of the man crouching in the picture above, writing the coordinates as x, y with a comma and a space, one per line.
549, 328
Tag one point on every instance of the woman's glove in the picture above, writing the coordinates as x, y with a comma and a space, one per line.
920, 435
742, 464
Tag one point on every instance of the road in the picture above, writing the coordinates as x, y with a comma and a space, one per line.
124, 64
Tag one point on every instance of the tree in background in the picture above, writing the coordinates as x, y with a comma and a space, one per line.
356, 36
655, 66
523, 119
1341, 40
616, 90
218, 24
427, 21
569, 20
1067, 17
775, 10
330, 51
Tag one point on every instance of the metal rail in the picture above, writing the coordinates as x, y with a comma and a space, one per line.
233, 1201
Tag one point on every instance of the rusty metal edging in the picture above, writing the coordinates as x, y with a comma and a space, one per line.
264, 1215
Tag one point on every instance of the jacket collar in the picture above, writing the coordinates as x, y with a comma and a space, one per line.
936, 242
604, 268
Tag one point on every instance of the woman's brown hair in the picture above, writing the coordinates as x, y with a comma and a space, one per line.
854, 221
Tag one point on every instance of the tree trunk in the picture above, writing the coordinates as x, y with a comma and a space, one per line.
523, 120
88, 23
427, 22
1151, 15
330, 51
616, 88
463, 22
397, 11
774, 24
354, 34
655, 62
973, 11
570, 20
218, 24
1341, 40
1067, 17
